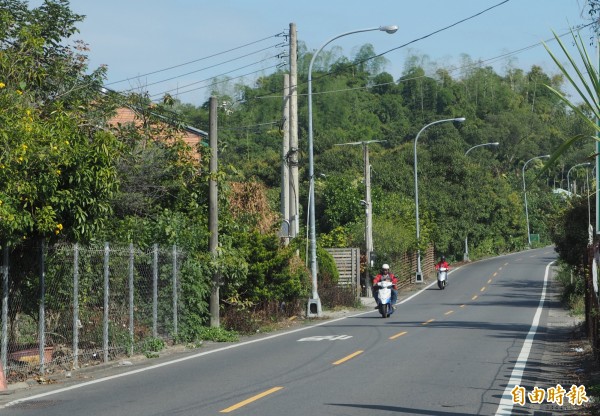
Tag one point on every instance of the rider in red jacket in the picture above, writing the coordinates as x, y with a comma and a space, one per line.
386, 275
442, 263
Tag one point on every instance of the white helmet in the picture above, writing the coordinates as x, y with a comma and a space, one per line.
385, 266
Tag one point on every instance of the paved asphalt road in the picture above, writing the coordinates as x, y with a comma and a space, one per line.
459, 351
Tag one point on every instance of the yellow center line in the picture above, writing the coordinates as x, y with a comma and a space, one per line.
474, 297
489, 281
448, 313
506, 264
463, 305
428, 322
495, 274
482, 289
500, 268
250, 400
354, 354
398, 335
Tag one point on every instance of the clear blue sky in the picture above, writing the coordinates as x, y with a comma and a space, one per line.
136, 37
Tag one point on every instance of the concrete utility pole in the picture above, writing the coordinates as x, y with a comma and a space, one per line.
368, 207
285, 172
292, 159
369, 217
213, 212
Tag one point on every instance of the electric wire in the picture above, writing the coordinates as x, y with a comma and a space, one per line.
178, 93
251, 126
441, 30
196, 60
213, 66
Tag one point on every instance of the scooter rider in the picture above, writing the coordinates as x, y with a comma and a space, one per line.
443, 264
386, 275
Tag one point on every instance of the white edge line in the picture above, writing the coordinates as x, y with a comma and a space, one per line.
506, 404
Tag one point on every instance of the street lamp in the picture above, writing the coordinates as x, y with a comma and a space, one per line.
419, 274
525, 196
315, 302
482, 144
466, 254
569, 172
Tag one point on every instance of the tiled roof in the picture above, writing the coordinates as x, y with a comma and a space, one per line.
125, 115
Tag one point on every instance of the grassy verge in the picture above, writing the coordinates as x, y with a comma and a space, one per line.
573, 298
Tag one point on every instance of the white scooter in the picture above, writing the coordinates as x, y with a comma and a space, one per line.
384, 296
442, 277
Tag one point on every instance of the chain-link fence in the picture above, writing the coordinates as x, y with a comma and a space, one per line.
75, 306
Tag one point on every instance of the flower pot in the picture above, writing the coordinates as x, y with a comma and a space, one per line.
31, 355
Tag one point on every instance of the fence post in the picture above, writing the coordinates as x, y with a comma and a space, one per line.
42, 306
175, 300
76, 321
155, 291
4, 351
131, 306
106, 297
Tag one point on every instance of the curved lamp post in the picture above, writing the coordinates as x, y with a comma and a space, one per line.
482, 144
315, 301
419, 274
466, 253
525, 196
569, 172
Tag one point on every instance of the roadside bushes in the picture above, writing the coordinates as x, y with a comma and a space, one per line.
569, 231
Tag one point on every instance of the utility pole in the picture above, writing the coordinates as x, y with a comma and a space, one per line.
213, 212
368, 208
285, 172
292, 158
369, 216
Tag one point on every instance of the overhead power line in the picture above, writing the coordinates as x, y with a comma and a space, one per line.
176, 90
213, 66
195, 60
441, 30
252, 126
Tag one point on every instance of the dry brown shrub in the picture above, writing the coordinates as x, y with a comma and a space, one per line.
248, 201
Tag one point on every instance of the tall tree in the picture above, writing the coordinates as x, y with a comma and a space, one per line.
56, 174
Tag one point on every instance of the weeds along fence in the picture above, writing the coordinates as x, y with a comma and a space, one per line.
75, 306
